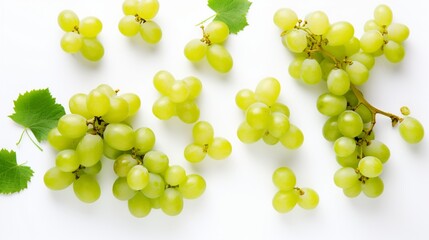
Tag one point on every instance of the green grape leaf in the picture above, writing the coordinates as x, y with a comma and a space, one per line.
37, 110
13, 177
231, 12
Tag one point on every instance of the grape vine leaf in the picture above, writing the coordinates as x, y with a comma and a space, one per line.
37, 110
13, 177
231, 12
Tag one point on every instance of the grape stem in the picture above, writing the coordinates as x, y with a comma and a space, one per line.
32, 140
205, 20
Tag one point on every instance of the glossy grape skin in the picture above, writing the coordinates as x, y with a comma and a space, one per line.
87, 189
139, 205
193, 187
217, 31
55, 179
171, 202
68, 20
92, 49
219, 58
411, 130
284, 178
285, 201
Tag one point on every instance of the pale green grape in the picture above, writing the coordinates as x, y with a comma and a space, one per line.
194, 86
293, 138
163, 81
280, 108
330, 129
77, 105
311, 72
194, 153
353, 191
244, 98
67, 160
285, 201
217, 31
92, 49
55, 179
163, 108
346, 177
258, 116
366, 59
139, 205
270, 139
267, 91
344, 146
72, 126
308, 198
331, 105
71, 42
195, 50
339, 52
145, 140
60, 142
188, 111
154, 202
94, 169
294, 68
358, 73
373, 187
372, 25
370, 166
193, 187
90, 27
327, 65
175, 175
339, 33
371, 41
219, 58
317, 22
351, 160
295, 40
202, 133
129, 7
147, 9
68, 20
97, 103
352, 46
393, 51
397, 32
155, 161
338, 82
285, 19
171, 202
411, 130
87, 189
106, 89
383, 15
279, 124
128, 26
364, 113
377, 149
350, 123
133, 101
179, 92
150, 32
248, 134
119, 136
118, 111
110, 152
90, 150
284, 178
121, 190
219, 148
156, 186
138, 177
123, 164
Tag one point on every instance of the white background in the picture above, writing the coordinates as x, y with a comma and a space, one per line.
237, 201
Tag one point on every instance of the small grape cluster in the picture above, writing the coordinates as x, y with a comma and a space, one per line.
81, 36
210, 46
265, 117
178, 97
289, 195
138, 18
205, 143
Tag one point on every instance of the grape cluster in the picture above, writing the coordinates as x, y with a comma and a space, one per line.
331, 52
205, 143
81, 36
178, 97
288, 195
265, 117
210, 46
138, 18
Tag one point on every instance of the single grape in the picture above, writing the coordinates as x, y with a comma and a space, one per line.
366, 59
353, 191
138, 177
285, 19
155, 161
219, 58
55, 179
344, 146
311, 72
97, 103
150, 32
68, 20
219, 148
331, 105
280, 108
202, 133
67, 160
188, 111
244, 98
370, 166
397, 32
175, 175
133, 101
338, 82
270, 139
394, 52
317, 22
106, 89
128, 26
372, 25
147, 9
193, 187
373, 187
60, 142
267, 91
171, 202
383, 15
145, 140
163, 108
258, 116
194, 86
71, 42
90, 150
139, 205
352, 46
87, 189
339, 33
194, 153
179, 92
411, 130
217, 31
294, 68
123, 164
154, 202
129, 7
77, 105
279, 125
377, 149
350, 123
195, 50
295, 40
118, 111
371, 41
308, 198
346, 177
358, 73
72, 126
248, 134
92, 49
351, 160
330, 129
111, 152
285, 201
90, 27
163, 81
284, 178
156, 186
121, 190
119, 136
293, 138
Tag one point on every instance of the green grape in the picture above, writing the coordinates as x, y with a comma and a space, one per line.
327, 65
110, 152
175, 175
202, 133
248, 134
397, 32
364, 113
106, 89
219, 58
331, 105
163, 81
72, 126
351, 160
279, 124
139, 205
285, 19
258, 116
92, 49
67, 160
317, 22
55, 179
284, 178
352, 46
171, 202
373, 187
280, 108
353, 191
133, 101
123, 164
90, 150
87, 189
154, 202
370, 166
71, 42
155, 188
350, 123
163, 108
194, 86
371, 41
411, 130
121, 190
145, 140
179, 92
155, 161
68, 20
58, 141
295, 40
244, 98
393, 51
366, 59
308, 198
77, 105
344, 146
150, 32
188, 111
217, 31
352, 100
338, 82
377, 149
129, 7
90, 27
194, 153
372, 25
270, 139
219, 148
195, 50
118, 112
147, 9
330, 129
97, 103
138, 177
267, 91
383, 15
311, 72
128, 26
94, 169
293, 138
339, 33
285, 201
119, 136
346, 177
339, 52
193, 187
294, 68
358, 73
